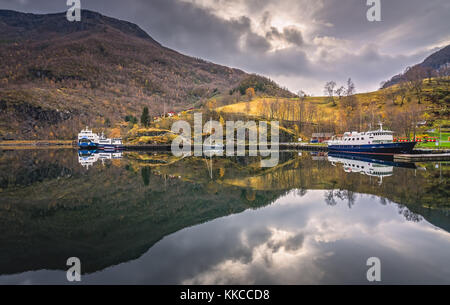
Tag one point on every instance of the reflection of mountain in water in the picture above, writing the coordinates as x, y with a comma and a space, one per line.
116, 212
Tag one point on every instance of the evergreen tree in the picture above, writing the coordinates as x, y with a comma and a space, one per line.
145, 118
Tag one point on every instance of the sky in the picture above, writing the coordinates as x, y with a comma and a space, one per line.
301, 44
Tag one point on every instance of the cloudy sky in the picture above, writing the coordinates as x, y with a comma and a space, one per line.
301, 44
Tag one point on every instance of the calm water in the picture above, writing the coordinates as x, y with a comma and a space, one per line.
149, 218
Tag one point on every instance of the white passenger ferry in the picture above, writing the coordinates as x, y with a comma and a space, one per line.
371, 142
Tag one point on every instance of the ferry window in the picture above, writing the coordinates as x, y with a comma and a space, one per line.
357, 139
362, 138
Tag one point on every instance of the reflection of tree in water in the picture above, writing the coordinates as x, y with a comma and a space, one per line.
410, 216
329, 198
331, 195
340, 194
145, 173
301, 192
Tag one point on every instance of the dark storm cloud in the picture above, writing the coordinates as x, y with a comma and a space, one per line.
289, 40
290, 35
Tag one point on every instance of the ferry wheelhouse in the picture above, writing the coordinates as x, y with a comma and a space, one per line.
371, 142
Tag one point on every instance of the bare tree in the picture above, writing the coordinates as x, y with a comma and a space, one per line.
340, 92
329, 91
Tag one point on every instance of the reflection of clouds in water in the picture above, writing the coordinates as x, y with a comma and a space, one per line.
306, 243
296, 240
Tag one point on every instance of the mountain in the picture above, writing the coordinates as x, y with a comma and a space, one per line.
56, 75
431, 65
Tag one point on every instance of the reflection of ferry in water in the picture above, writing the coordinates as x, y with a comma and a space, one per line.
370, 166
89, 140
379, 142
88, 157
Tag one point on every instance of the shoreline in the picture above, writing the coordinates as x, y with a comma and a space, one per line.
45, 144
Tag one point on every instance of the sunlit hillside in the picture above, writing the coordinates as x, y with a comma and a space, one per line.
398, 107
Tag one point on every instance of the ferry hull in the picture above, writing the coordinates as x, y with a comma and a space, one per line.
375, 149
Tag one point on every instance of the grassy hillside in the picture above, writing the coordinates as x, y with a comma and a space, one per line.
398, 108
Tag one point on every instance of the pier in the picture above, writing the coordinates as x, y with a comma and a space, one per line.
282, 146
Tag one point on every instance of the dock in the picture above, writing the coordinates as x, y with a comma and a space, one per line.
281, 146
422, 157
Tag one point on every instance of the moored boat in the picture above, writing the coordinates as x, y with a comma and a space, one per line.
379, 142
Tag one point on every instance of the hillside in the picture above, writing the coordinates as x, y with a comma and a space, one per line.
56, 76
395, 106
430, 66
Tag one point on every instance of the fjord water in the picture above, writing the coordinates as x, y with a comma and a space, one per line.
146, 218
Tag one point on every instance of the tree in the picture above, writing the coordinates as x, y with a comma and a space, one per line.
250, 93
402, 91
247, 108
390, 94
115, 133
329, 91
145, 117
340, 92
350, 87
415, 76
350, 99
349, 107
